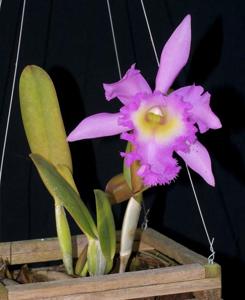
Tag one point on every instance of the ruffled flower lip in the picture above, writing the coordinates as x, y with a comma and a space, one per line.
168, 129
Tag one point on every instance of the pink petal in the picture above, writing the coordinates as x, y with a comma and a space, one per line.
201, 112
131, 84
198, 159
174, 55
99, 125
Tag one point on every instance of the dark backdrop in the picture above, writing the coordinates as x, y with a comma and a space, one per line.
72, 41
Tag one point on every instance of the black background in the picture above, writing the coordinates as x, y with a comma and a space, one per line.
72, 40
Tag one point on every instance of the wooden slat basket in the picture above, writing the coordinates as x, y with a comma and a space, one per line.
191, 276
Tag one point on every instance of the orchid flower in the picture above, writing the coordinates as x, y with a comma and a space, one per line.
158, 123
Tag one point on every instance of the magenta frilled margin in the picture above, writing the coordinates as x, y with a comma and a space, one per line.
156, 123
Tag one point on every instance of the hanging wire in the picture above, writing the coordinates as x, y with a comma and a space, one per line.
212, 255
12, 90
144, 224
114, 39
149, 30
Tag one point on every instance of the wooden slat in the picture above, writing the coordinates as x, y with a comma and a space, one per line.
4, 250
209, 294
41, 250
171, 288
107, 284
149, 291
3, 292
172, 249
48, 249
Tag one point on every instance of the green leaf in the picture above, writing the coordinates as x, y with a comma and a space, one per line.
81, 264
106, 228
46, 135
96, 261
64, 236
126, 170
67, 175
84, 270
134, 181
42, 118
105, 225
60, 189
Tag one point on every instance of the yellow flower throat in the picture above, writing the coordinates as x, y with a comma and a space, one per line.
156, 115
157, 122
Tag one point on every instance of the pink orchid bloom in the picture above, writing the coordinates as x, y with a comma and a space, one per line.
156, 123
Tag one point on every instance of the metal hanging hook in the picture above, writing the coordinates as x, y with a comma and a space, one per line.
212, 255
144, 224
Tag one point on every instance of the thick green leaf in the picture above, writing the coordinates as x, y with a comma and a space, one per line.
46, 136
105, 225
82, 264
84, 270
60, 189
96, 260
62, 224
42, 118
67, 175
126, 169
64, 235
134, 181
